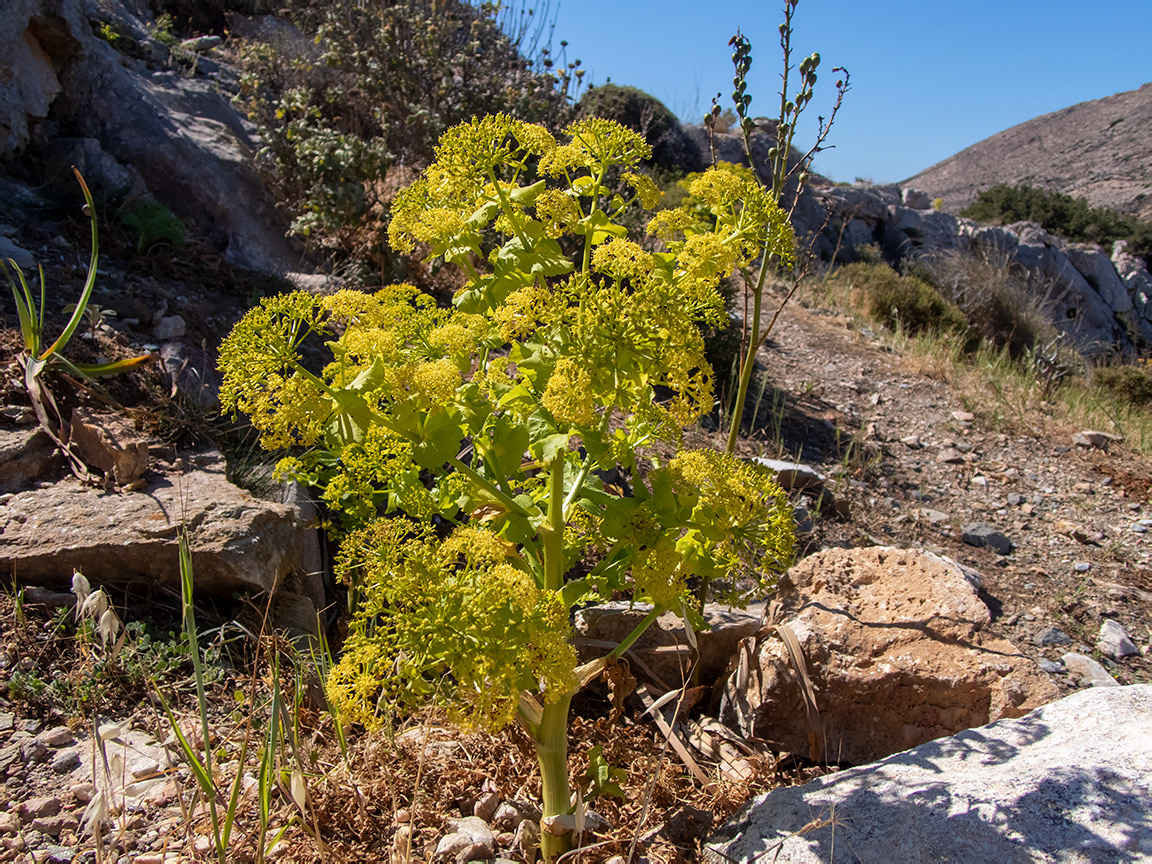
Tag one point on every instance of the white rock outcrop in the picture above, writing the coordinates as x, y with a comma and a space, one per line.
1067, 784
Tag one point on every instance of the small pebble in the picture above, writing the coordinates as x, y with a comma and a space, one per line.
1082, 566
66, 761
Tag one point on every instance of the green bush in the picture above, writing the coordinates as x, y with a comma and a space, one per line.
373, 85
153, 223
891, 298
1133, 383
1071, 218
1002, 306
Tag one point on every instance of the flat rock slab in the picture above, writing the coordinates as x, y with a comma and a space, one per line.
1070, 782
664, 646
238, 542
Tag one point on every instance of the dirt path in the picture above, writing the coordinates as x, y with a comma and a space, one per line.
919, 462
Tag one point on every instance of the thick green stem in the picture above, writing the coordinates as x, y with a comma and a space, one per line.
552, 740
749, 358
495, 491
552, 754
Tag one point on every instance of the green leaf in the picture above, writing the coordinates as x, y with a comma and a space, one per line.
535, 361
96, 370
90, 282
350, 421
484, 214
543, 258
439, 441
25, 308
600, 227
576, 591
603, 779
526, 196
509, 442
518, 396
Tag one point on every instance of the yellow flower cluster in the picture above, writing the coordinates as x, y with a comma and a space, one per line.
749, 520
622, 259
558, 211
657, 573
454, 622
569, 395
522, 313
645, 188
441, 208
259, 358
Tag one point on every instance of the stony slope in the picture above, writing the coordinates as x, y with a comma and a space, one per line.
1096, 149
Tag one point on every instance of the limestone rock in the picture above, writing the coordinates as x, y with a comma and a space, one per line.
664, 646
26, 455
109, 443
100, 169
179, 134
1052, 636
1114, 642
31, 84
468, 839
797, 477
1068, 783
917, 199
1094, 265
238, 542
192, 374
1094, 438
24, 259
894, 645
169, 327
1088, 671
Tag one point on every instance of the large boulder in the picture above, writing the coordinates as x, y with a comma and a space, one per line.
239, 543
1070, 782
895, 647
28, 79
1077, 309
1133, 272
136, 124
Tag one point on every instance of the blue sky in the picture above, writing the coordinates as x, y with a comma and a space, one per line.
929, 77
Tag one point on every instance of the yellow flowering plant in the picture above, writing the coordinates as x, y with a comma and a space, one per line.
465, 447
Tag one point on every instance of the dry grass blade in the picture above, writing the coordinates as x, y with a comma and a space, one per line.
807, 691
673, 739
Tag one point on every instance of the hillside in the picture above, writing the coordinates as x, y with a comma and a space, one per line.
1096, 149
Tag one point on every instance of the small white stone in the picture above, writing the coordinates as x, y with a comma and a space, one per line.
1114, 642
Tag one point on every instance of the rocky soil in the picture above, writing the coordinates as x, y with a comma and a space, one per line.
929, 464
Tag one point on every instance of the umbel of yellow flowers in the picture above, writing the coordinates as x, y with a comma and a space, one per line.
463, 448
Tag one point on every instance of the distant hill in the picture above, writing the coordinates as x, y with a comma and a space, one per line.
1101, 150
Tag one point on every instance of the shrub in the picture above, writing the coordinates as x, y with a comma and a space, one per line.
1071, 218
367, 86
1132, 383
153, 223
891, 298
1001, 304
